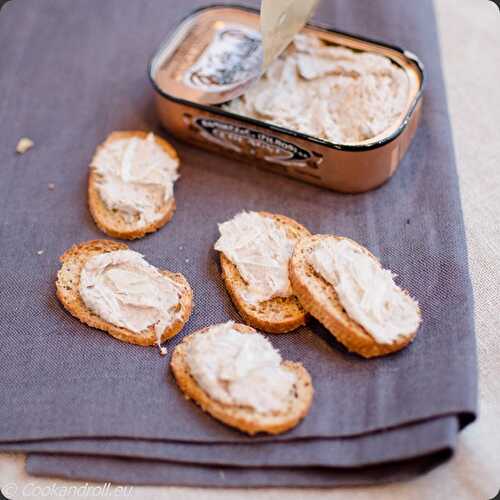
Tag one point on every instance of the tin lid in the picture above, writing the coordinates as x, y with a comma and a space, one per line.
217, 53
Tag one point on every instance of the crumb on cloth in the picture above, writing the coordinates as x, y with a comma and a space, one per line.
24, 144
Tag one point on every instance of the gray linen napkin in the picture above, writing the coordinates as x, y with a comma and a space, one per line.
71, 75
124, 471
400, 443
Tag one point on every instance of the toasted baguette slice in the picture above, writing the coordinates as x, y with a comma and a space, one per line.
67, 290
278, 315
320, 299
112, 223
243, 418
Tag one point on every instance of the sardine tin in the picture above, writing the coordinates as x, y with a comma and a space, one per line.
345, 168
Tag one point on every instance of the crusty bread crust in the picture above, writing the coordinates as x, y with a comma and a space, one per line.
278, 315
112, 223
244, 418
320, 299
67, 290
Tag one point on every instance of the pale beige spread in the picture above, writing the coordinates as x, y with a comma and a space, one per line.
241, 369
260, 249
328, 91
136, 178
366, 290
126, 291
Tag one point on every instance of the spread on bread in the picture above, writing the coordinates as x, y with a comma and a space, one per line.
260, 249
135, 178
126, 291
366, 291
328, 91
240, 369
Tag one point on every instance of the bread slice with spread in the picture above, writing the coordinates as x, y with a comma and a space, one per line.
235, 375
130, 186
255, 248
107, 286
344, 286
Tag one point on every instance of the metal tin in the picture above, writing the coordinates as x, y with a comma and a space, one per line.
346, 168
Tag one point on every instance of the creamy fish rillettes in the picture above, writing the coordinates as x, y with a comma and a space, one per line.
328, 91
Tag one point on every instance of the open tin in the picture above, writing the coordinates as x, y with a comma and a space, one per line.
180, 90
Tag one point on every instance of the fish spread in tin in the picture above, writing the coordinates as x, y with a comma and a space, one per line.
328, 91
